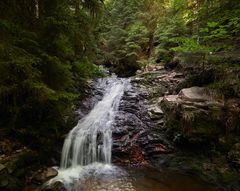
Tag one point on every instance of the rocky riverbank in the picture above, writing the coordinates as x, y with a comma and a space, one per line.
135, 138
202, 127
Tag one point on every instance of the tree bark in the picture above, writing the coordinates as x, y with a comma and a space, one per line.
37, 9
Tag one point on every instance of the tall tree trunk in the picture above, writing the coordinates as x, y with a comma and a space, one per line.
37, 9
151, 45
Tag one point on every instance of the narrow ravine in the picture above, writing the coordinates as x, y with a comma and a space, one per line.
120, 95
117, 125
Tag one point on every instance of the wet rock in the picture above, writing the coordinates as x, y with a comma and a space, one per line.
154, 116
155, 112
136, 156
120, 131
133, 132
44, 175
160, 122
50, 173
170, 98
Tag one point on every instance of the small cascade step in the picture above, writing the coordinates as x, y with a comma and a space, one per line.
91, 140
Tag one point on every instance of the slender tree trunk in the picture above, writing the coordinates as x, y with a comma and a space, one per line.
151, 42
203, 62
37, 9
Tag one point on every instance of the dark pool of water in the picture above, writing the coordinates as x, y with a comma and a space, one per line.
145, 179
100, 177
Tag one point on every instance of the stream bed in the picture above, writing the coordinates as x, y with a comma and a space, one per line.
118, 124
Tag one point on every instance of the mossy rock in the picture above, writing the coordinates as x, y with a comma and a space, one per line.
192, 124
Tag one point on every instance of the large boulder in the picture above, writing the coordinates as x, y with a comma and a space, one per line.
193, 94
193, 116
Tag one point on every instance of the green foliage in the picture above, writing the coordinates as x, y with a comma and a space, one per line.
198, 26
127, 37
225, 23
163, 55
44, 63
172, 24
225, 28
190, 45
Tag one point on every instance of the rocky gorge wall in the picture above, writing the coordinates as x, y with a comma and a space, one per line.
202, 127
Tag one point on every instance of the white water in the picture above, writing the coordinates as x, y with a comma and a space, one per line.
91, 140
87, 149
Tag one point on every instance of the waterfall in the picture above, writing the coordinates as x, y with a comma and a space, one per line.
91, 140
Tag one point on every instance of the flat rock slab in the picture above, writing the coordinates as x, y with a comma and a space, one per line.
194, 94
155, 109
171, 98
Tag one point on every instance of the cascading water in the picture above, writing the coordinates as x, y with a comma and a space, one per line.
87, 149
91, 140
86, 157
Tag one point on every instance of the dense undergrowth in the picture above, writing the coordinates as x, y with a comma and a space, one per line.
198, 33
47, 52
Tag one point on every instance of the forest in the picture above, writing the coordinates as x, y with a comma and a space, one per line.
51, 52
